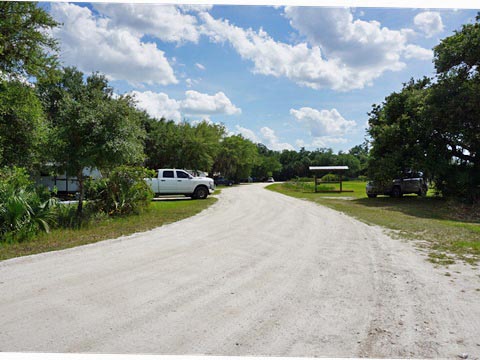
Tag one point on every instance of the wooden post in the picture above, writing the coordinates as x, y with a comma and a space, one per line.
315, 177
341, 181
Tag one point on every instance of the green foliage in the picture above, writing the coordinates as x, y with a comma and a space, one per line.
90, 127
24, 211
331, 177
268, 163
22, 125
181, 145
124, 191
26, 48
236, 158
435, 126
397, 129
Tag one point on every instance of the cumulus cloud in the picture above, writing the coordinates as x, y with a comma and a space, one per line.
267, 137
326, 141
165, 22
429, 22
161, 105
247, 134
195, 8
343, 54
299, 63
204, 104
272, 141
325, 126
361, 46
417, 52
158, 105
91, 44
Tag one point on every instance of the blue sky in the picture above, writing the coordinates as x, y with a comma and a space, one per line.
284, 76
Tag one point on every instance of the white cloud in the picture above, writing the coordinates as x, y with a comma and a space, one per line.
429, 22
323, 123
191, 82
361, 46
204, 104
158, 105
248, 134
300, 143
267, 137
165, 22
299, 63
271, 140
195, 8
161, 105
344, 54
417, 52
326, 141
200, 66
91, 44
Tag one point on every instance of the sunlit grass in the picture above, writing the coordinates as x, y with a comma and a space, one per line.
157, 214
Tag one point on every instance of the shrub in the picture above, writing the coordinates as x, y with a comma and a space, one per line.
24, 209
304, 179
124, 191
330, 177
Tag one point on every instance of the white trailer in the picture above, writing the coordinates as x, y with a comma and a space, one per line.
65, 185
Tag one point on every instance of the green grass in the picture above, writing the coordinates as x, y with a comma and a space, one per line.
448, 230
158, 213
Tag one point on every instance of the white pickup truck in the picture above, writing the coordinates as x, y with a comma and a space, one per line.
180, 182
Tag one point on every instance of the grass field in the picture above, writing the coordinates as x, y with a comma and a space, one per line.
158, 213
450, 231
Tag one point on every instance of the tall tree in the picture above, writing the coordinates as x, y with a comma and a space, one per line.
236, 158
26, 48
22, 125
268, 163
399, 132
26, 52
454, 113
200, 145
91, 128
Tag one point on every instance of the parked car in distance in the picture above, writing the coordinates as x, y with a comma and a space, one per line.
180, 182
270, 179
220, 180
410, 183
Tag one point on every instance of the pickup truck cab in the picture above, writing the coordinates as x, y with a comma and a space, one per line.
180, 182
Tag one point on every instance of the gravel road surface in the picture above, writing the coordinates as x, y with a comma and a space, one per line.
258, 273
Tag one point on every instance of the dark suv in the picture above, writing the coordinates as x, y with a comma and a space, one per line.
410, 183
222, 181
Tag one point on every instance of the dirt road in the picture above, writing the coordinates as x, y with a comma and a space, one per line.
258, 273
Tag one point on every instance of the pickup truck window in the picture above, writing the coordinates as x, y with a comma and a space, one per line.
168, 174
182, 175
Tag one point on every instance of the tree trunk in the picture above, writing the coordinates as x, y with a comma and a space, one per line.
81, 195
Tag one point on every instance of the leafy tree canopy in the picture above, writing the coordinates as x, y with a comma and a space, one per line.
26, 48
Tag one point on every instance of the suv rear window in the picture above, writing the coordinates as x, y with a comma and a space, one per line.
168, 174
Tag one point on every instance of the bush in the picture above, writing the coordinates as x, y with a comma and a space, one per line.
304, 179
24, 209
330, 177
124, 191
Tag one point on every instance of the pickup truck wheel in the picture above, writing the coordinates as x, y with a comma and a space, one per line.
396, 192
422, 192
201, 192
